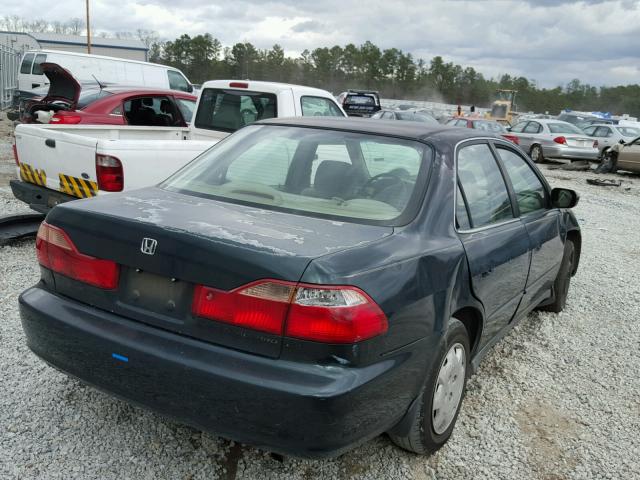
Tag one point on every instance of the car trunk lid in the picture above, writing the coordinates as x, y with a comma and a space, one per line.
579, 141
197, 242
62, 85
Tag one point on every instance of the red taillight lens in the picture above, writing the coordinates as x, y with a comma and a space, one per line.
320, 313
65, 119
15, 153
560, 140
56, 251
334, 315
239, 85
109, 173
512, 138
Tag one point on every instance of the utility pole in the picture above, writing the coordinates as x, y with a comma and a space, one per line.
88, 29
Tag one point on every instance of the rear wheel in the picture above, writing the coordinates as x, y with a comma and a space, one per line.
561, 284
536, 154
441, 395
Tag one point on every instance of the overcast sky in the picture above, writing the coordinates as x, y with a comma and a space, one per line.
550, 41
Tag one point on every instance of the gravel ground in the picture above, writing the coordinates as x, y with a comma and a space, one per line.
558, 398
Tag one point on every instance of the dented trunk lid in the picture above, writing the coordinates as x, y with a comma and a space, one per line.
198, 241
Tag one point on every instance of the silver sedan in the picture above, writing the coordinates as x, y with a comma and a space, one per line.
547, 138
608, 135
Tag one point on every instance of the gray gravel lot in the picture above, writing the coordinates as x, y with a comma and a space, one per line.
558, 398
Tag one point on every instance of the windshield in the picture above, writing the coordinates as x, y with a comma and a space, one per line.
329, 173
564, 128
630, 132
488, 126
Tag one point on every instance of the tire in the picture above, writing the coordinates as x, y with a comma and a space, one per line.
563, 280
429, 432
536, 154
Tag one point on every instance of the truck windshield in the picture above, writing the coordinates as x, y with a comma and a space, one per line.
327, 173
229, 110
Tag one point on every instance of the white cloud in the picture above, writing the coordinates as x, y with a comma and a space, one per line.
550, 41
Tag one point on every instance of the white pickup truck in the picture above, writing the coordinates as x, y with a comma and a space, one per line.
58, 163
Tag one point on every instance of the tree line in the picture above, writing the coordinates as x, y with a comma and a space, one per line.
394, 73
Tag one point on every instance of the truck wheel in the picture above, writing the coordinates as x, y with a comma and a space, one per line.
536, 154
561, 284
441, 395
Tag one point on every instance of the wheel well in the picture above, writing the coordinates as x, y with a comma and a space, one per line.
575, 237
471, 318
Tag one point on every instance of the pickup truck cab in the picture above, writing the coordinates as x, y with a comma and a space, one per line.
58, 163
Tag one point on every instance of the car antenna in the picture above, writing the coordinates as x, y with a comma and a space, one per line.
98, 82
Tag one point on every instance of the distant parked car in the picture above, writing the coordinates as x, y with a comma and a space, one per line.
407, 115
359, 103
554, 139
581, 120
608, 135
482, 124
69, 102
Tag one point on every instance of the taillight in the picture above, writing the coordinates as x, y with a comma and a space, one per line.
512, 138
109, 173
239, 85
560, 140
65, 119
14, 147
330, 314
56, 251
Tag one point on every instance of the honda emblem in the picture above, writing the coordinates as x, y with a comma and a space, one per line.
148, 246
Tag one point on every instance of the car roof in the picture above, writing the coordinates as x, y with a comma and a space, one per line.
133, 90
408, 130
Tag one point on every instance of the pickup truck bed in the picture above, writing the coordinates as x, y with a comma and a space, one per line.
63, 158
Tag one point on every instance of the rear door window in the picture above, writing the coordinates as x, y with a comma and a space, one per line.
229, 110
518, 127
533, 127
530, 192
603, 132
483, 186
27, 61
319, 107
155, 111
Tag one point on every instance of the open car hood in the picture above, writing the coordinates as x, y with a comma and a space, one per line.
63, 86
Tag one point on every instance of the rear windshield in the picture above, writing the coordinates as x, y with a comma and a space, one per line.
361, 99
488, 126
229, 110
90, 96
326, 173
563, 128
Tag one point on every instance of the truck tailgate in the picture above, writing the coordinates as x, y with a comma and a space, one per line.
148, 162
58, 160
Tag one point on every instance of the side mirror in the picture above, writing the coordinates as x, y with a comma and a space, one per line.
622, 142
190, 88
564, 198
508, 129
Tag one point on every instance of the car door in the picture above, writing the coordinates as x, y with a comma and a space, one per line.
629, 156
495, 241
541, 222
530, 135
604, 136
517, 130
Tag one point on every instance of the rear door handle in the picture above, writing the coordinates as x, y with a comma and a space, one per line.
50, 142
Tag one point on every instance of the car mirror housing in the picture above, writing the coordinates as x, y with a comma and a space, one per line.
564, 198
622, 142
